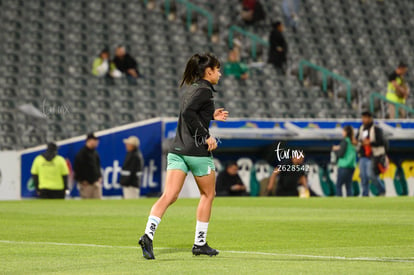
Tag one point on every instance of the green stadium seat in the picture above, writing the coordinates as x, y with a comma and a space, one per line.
57, 40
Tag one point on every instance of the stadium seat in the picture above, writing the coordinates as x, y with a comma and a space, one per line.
8, 93
58, 40
8, 142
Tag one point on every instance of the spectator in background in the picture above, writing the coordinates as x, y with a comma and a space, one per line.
151, 4
103, 67
290, 10
278, 48
346, 154
235, 67
292, 181
229, 183
50, 174
398, 90
126, 64
87, 168
372, 154
131, 169
252, 11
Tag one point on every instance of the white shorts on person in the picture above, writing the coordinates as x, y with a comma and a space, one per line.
130, 192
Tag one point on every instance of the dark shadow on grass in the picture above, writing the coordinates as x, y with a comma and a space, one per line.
171, 251
227, 259
256, 258
266, 258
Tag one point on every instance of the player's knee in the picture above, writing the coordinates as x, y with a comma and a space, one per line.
172, 198
209, 195
169, 198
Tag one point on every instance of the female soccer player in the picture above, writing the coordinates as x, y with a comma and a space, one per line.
191, 151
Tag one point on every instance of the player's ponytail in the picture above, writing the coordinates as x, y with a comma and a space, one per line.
349, 131
196, 67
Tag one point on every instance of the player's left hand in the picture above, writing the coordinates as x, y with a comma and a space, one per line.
220, 114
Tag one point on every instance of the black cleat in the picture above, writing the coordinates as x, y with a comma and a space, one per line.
204, 250
146, 244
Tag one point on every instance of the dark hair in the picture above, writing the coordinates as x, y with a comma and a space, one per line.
196, 67
276, 24
366, 113
104, 50
230, 164
91, 136
349, 131
402, 65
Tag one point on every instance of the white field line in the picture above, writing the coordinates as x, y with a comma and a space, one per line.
371, 259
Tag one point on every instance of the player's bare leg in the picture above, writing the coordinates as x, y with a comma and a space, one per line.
173, 185
207, 186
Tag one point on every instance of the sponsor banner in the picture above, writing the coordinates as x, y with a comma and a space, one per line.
9, 175
252, 143
112, 153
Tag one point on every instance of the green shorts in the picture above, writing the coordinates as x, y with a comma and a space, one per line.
199, 166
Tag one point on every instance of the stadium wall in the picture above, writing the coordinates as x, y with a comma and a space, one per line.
112, 153
251, 143
9, 175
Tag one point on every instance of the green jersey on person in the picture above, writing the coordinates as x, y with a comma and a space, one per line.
348, 160
50, 172
235, 68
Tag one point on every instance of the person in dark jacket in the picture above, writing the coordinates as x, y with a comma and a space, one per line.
87, 168
191, 151
50, 174
229, 183
252, 11
126, 64
372, 147
346, 154
131, 169
278, 48
291, 180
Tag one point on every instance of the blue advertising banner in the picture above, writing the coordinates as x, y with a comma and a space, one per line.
112, 153
252, 141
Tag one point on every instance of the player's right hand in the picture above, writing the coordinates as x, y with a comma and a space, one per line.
211, 143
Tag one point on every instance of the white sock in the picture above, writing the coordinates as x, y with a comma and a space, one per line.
152, 225
201, 233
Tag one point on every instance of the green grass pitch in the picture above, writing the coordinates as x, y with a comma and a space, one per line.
254, 236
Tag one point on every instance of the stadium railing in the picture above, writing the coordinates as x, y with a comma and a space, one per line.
190, 8
325, 74
254, 38
398, 106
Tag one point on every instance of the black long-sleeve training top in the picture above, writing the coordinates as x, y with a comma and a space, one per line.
196, 112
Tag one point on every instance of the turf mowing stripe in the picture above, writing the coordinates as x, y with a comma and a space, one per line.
406, 260
401, 260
